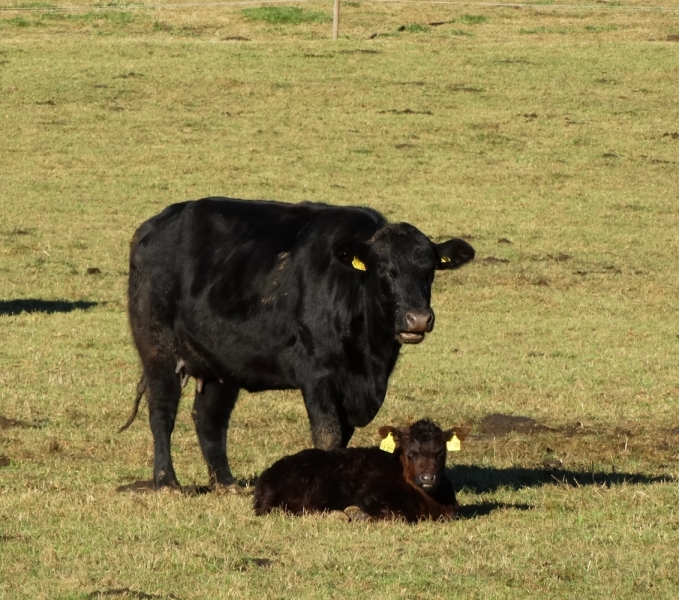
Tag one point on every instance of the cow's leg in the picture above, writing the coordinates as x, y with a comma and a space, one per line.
211, 411
163, 392
330, 426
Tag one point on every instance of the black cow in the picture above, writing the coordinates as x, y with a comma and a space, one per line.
267, 295
367, 483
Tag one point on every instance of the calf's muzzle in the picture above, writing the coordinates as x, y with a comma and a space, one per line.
427, 480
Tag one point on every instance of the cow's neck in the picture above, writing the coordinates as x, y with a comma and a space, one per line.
384, 348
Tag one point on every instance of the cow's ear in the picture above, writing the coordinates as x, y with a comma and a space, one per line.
352, 253
453, 253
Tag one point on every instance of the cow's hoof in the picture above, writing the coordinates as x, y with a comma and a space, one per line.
354, 513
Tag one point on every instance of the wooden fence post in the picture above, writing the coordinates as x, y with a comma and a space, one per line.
335, 19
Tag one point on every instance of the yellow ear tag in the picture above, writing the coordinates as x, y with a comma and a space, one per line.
388, 444
453, 444
357, 264
445, 259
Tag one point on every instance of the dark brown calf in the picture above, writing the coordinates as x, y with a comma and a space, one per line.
409, 483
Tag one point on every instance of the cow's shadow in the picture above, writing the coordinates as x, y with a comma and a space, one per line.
34, 305
481, 480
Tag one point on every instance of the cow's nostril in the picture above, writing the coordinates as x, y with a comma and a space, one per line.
420, 320
430, 320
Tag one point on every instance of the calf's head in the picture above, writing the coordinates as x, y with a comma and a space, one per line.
422, 451
398, 264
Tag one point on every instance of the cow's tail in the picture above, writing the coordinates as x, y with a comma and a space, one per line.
141, 388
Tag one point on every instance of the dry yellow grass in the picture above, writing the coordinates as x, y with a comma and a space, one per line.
547, 135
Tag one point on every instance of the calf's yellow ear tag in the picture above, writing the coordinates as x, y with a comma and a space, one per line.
358, 264
453, 444
388, 444
445, 259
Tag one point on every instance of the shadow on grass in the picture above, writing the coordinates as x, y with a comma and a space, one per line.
242, 487
482, 509
34, 305
481, 480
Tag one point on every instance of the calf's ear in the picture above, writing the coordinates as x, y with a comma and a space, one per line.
461, 432
385, 430
399, 434
453, 253
351, 253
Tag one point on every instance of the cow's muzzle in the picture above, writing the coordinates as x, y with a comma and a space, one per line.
416, 323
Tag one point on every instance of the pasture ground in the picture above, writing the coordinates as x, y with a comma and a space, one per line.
546, 135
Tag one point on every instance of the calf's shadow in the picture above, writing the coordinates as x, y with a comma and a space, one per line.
481, 480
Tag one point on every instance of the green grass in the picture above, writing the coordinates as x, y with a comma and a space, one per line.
473, 19
557, 161
415, 28
286, 15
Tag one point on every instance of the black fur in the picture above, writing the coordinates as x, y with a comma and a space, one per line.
381, 484
266, 295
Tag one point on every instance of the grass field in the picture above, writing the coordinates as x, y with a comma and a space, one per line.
547, 135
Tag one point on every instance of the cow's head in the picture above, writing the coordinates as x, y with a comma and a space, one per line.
422, 451
398, 264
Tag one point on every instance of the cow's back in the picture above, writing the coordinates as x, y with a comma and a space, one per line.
237, 244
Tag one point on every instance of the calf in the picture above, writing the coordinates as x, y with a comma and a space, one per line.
408, 481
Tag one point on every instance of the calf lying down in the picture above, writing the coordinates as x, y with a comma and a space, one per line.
407, 481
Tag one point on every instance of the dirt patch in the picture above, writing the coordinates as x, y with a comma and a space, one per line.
247, 562
499, 425
7, 423
125, 593
491, 260
359, 51
406, 111
552, 257
5, 461
465, 88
